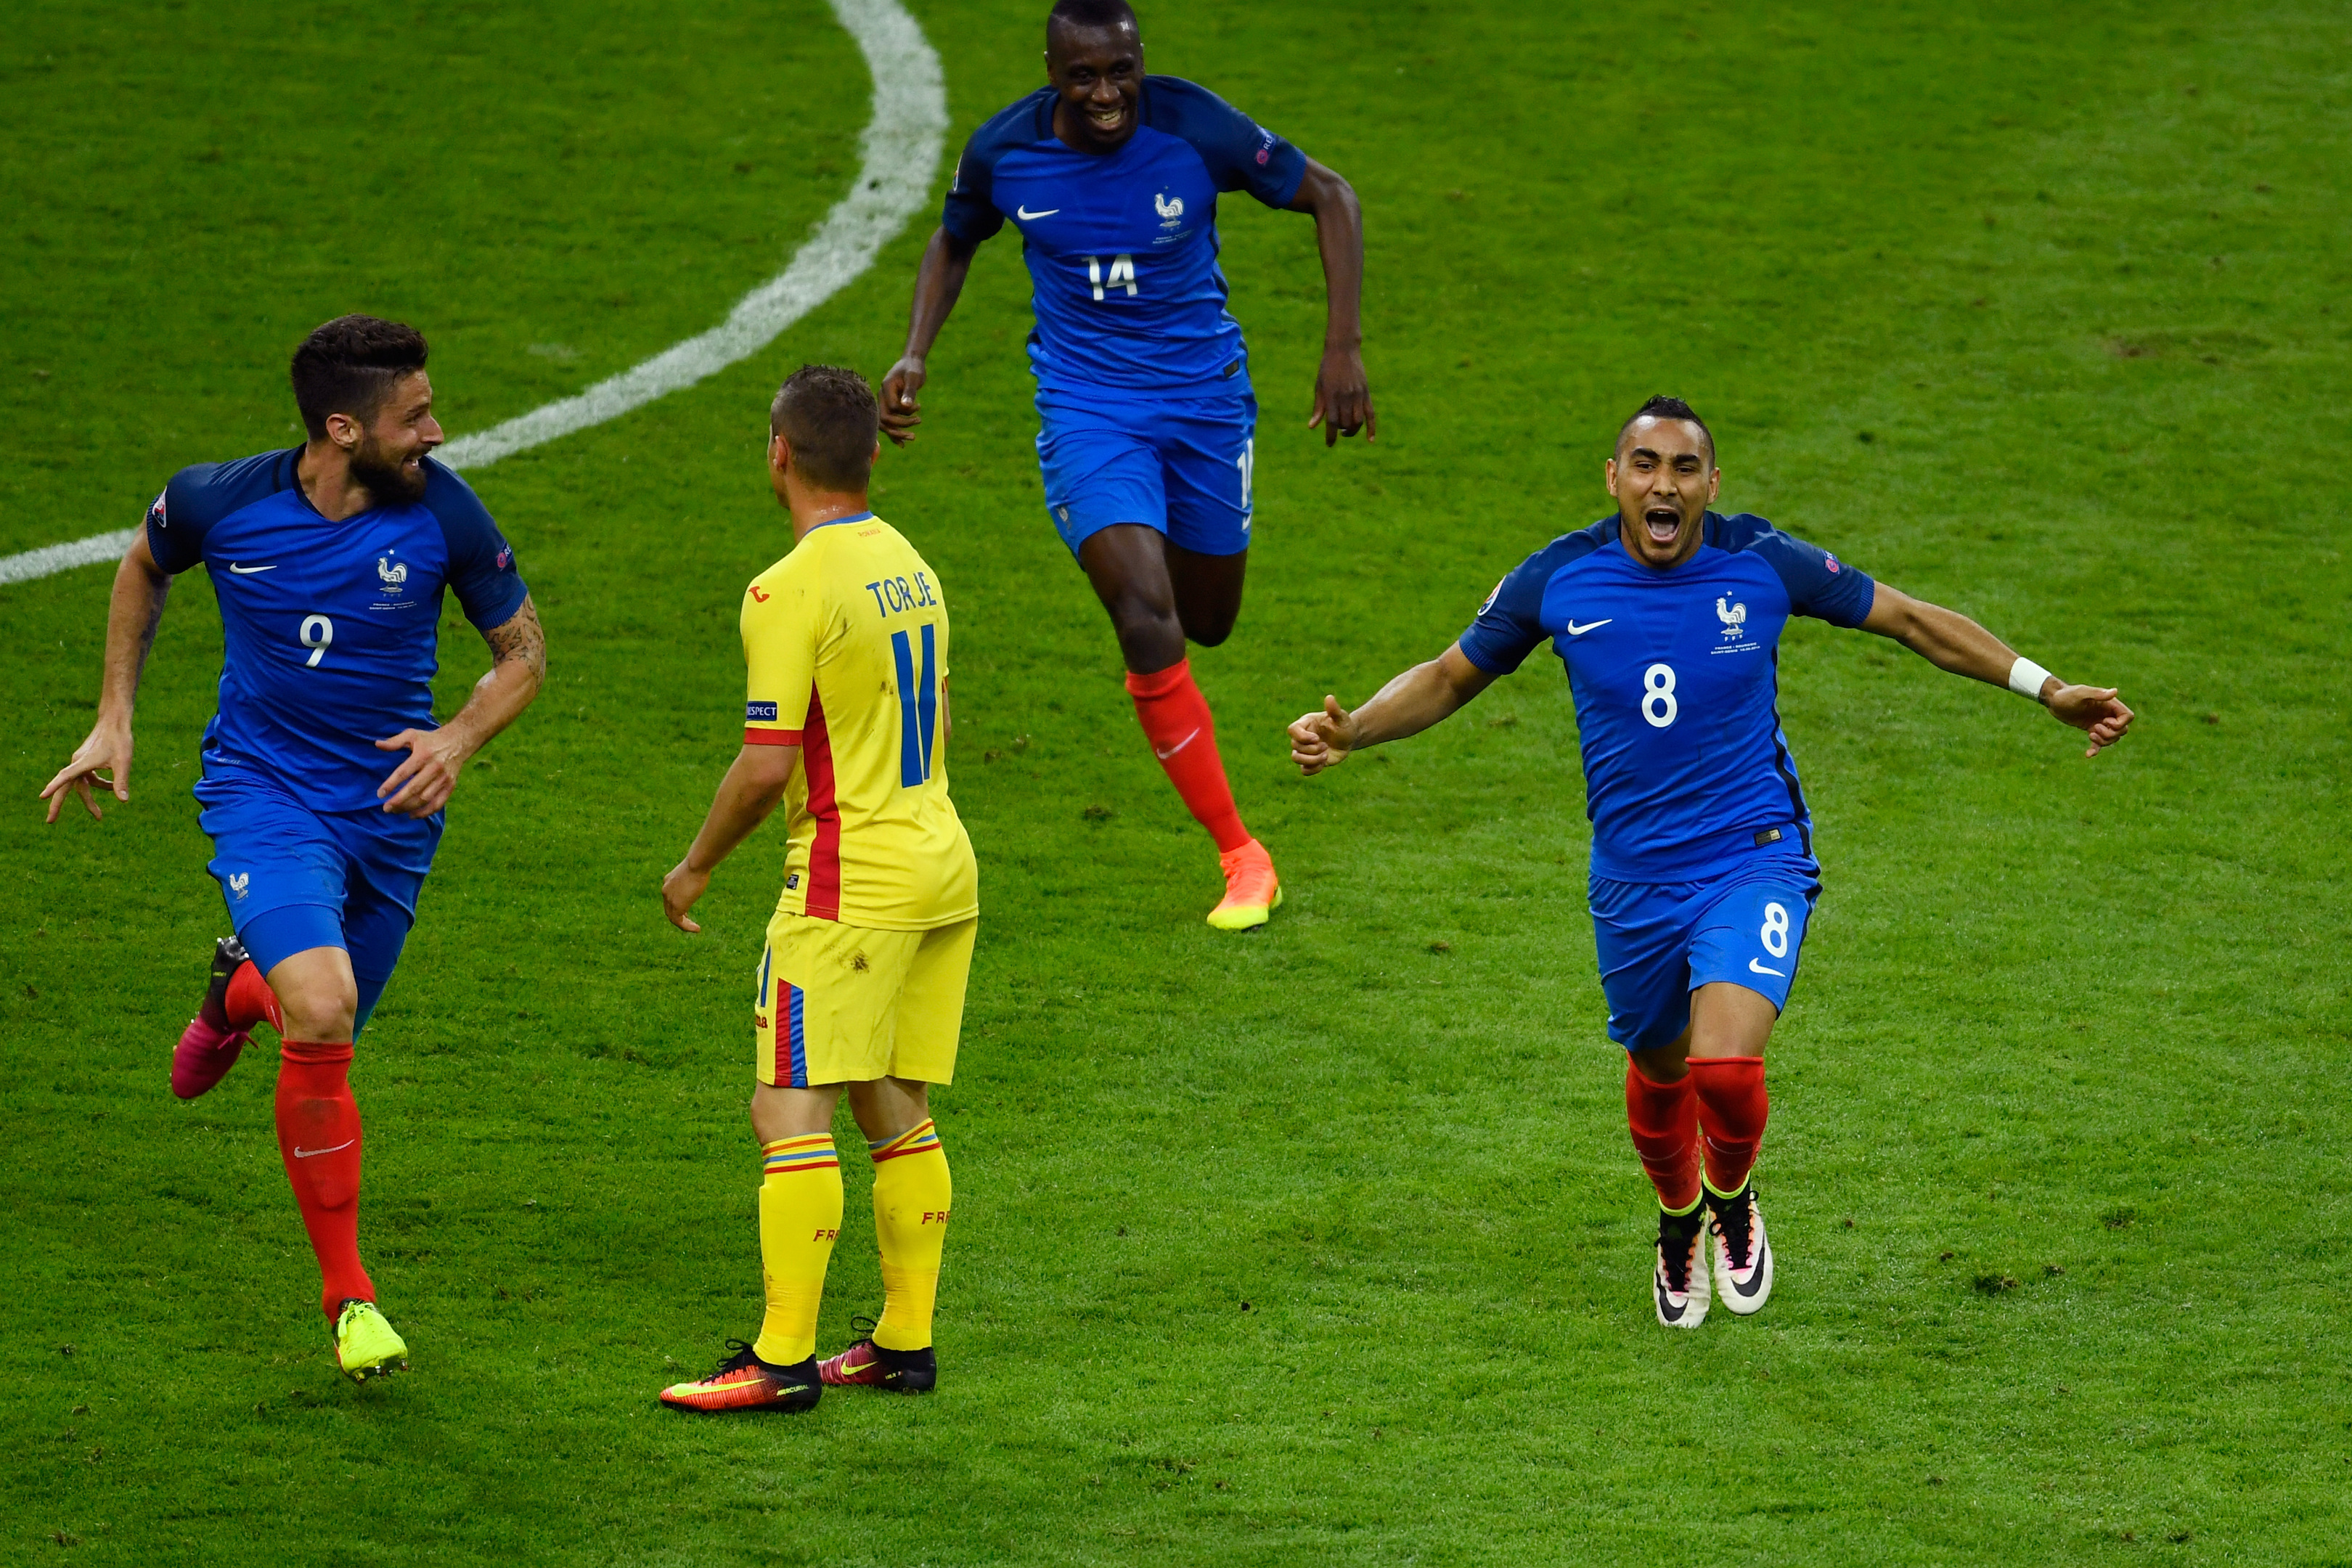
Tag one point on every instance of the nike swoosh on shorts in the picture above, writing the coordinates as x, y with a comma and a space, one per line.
1576, 631
248, 570
1756, 968
1025, 215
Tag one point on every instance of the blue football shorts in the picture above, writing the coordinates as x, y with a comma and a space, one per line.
295, 879
1181, 465
1659, 942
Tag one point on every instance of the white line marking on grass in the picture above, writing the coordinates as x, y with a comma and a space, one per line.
51, 559
901, 148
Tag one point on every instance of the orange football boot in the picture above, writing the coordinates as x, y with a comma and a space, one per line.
744, 1382
1253, 892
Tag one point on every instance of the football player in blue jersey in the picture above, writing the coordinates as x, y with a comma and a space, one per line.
1143, 386
328, 561
1667, 618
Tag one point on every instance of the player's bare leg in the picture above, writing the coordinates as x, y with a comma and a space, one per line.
1208, 591
1722, 1053
1161, 595
1158, 596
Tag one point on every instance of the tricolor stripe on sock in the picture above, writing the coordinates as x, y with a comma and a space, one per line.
813, 1152
915, 1140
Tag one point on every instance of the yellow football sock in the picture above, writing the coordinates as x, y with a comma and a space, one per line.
912, 1196
800, 1214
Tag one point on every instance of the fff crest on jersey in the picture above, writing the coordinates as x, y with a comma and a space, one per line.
1734, 617
394, 576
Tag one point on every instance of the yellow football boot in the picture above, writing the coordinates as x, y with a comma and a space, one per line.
365, 1345
1253, 892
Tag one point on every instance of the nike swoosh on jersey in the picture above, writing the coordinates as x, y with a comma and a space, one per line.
1576, 631
1025, 215
302, 1153
1179, 746
1756, 968
248, 570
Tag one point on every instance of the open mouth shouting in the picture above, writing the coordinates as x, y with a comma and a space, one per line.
1662, 523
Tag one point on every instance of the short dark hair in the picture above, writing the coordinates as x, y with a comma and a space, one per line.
830, 417
350, 365
1665, 408
1092, 14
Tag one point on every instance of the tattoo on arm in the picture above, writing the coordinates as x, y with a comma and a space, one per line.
521, 638
155, 622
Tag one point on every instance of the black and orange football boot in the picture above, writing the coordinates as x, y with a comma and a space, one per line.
743, 1382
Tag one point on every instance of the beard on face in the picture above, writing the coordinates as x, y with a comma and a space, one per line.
385, 478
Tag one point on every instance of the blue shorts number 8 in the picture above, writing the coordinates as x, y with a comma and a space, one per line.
1659, 942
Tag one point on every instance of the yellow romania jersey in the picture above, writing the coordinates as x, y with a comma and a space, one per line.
847, 644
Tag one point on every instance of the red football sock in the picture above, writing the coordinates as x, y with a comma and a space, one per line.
1184, 738
250, 999
1732, 1108
318, 1139
1664, 1120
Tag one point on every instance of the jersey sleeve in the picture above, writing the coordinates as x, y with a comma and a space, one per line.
1242, 154
481, 570
1510, 623
779, 633
175, 526
1819, 584
202, 494
971, 215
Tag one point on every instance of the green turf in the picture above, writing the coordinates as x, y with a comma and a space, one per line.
1324, 1245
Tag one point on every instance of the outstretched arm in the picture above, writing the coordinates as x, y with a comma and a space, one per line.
1343, 400
421, 785
946, 260
1425, 695
1949, 640
140, 588
746, 796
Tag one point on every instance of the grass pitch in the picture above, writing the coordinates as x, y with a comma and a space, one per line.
1323, 1245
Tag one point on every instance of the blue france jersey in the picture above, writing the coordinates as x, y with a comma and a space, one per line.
1676, 677
332, 628
1122, 248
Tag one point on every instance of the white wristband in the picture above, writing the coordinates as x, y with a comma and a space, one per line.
2026, 679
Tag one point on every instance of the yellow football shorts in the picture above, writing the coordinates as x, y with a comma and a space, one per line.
840, 1003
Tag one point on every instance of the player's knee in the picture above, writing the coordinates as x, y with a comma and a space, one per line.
1149, 638
319, 1007
1210, 634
